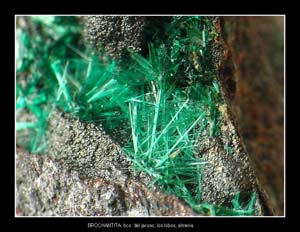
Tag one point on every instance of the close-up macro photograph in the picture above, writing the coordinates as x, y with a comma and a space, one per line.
150, 116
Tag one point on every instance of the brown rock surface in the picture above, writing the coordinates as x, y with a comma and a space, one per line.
256, 45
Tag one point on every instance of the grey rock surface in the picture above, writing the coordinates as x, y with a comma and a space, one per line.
115, 33
228, 169
45, 187
86, 148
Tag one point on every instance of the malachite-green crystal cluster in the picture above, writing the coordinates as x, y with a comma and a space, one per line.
165, 102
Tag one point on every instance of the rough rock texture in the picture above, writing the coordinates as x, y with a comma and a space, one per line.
115, 34
86, 148
257, 48
229, 169
46, 187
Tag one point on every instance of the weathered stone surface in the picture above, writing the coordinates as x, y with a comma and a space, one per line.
257, 60
86, 148
115, 34
229, 168
46, 187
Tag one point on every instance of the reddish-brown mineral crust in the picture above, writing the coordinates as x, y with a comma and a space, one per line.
226, 173
256, 45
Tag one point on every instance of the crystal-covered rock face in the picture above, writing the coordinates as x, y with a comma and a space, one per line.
165, 115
